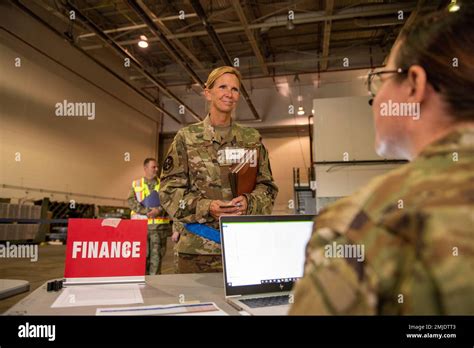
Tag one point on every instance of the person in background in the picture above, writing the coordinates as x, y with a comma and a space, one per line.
144, 202
415, 225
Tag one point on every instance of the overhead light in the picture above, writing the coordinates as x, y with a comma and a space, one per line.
290, 25
300, 96
453, 6
143, 43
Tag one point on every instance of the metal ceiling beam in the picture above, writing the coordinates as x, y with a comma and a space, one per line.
320, 16
291, 6
221, 50
327, 34
109, 41
142, 26
262, 39
29, 12
145, 14
366, 23
355, 55
137, 26
196, 44
250, 36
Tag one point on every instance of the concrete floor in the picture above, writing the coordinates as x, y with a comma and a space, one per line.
50, 265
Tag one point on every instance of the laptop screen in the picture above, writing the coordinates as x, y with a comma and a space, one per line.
264, 253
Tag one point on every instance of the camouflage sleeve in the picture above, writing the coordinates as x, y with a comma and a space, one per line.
178, 227
335, 283
331, 286
135, 205
262, 198
177, 197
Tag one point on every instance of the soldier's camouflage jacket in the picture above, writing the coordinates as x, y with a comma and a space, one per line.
192, 177
416, 224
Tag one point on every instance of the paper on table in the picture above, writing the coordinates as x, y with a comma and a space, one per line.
94, 295
207, 308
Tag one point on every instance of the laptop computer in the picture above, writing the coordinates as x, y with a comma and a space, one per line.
262, 258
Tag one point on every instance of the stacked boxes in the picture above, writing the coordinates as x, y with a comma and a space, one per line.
18, 231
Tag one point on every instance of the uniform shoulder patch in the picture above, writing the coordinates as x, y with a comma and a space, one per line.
168, 163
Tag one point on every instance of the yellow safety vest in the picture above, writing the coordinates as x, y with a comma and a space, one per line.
141, 192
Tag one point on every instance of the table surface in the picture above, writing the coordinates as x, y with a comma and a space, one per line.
159, 290
12, 287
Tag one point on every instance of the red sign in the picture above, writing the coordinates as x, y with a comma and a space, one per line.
105, 248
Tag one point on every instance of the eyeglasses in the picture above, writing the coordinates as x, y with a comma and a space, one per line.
374, 81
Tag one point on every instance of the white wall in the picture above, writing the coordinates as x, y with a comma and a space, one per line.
341, 181
344, 131
70, 154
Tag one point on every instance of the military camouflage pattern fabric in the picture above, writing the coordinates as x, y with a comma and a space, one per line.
157, 234
132, 201
416, 224
156, 247
175, 259
192, 177
177, 227
192, 263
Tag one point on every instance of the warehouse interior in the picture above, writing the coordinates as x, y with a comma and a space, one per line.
141, 66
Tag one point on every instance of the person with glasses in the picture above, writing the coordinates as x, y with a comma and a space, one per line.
374, 81
414, 224
195, 187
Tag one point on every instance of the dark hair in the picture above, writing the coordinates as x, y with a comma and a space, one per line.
148, 160
435, 42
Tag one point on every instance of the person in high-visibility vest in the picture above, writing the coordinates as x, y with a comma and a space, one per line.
159, 227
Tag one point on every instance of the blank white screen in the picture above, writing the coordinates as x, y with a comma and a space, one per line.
256, 251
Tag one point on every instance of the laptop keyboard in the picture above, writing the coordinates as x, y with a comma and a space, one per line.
267, 301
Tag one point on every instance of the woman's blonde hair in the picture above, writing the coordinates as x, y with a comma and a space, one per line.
218, 72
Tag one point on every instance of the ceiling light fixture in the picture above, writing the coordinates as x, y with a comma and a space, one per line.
453, 6
143, 43
290, 25
300, 96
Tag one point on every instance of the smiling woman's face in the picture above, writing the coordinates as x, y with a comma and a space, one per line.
224, 94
